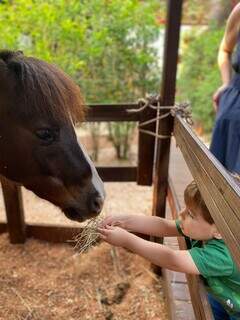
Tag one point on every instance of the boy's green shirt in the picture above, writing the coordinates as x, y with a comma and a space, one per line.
219, 271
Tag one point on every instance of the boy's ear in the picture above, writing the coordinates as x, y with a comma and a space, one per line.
216, 234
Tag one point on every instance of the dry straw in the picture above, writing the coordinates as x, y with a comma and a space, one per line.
88, 236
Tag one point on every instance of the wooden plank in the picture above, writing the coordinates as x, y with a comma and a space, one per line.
53, 233
167, 98
220, 192
173, 199
181, 292
162, 150
146, 144
3, 227
50, 233
166, 274
199, 300
14, 211
111, 112
117, 174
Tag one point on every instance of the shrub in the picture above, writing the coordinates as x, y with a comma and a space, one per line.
199, 74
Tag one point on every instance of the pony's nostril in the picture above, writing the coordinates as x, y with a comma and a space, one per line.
96, 205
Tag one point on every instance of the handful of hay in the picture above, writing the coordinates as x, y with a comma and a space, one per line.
88, 236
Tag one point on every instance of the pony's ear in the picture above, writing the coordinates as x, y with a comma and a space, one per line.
17, 68
10, 58
7, 55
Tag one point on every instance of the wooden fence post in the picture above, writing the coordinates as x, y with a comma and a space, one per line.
162, 150
14, 210
146, 144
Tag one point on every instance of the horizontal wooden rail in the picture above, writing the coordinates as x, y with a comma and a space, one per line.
117, 174
146, 143
219, 190
54, 233
200, 303
112, 112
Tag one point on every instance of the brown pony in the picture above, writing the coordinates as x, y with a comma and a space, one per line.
39, 105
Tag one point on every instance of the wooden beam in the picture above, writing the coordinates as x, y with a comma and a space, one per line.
146, 145
162, 150
167, 98
221, 194
117, 174
3, 227
198, 294
55, 233
14, 211
173, 199
111, 112
50, 233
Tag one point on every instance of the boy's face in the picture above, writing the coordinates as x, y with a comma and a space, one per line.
194, 226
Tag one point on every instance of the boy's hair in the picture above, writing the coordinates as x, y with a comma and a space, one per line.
193, 198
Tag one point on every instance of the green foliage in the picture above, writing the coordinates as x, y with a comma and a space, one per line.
121, 136
194, 12
104, 45
199, 74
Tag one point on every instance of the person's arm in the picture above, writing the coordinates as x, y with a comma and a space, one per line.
149, 225
225, 51
227, 45
161, 255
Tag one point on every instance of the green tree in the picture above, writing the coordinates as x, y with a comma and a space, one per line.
199, 74
106, 46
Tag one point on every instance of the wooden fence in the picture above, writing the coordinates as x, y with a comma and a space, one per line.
222, 196
220, 192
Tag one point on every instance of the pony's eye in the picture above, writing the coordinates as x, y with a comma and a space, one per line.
46, 135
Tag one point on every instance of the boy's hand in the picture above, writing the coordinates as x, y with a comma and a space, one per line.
115, 220
114, 235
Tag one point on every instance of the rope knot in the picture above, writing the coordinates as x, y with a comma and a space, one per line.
153, 102
184, 111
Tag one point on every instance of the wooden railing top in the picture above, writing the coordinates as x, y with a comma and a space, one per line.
112, 112
219, 190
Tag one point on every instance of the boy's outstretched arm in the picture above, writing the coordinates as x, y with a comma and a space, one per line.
150, 225
161, 255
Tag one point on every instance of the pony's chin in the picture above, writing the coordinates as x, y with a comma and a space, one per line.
74, 214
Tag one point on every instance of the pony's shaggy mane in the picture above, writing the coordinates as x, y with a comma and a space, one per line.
40, 88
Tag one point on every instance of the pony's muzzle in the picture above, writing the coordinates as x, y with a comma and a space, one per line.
96, 204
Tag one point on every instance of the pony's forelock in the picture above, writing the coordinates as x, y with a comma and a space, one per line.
42, 88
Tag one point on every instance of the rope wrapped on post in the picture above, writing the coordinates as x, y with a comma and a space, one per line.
153, 102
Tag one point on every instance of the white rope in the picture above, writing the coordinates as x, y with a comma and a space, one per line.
153, 102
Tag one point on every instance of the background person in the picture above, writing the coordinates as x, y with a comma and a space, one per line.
225, 143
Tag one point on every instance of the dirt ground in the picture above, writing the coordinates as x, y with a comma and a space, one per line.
46, 281
39, 280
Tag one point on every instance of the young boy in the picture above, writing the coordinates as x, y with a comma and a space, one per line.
208, 255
